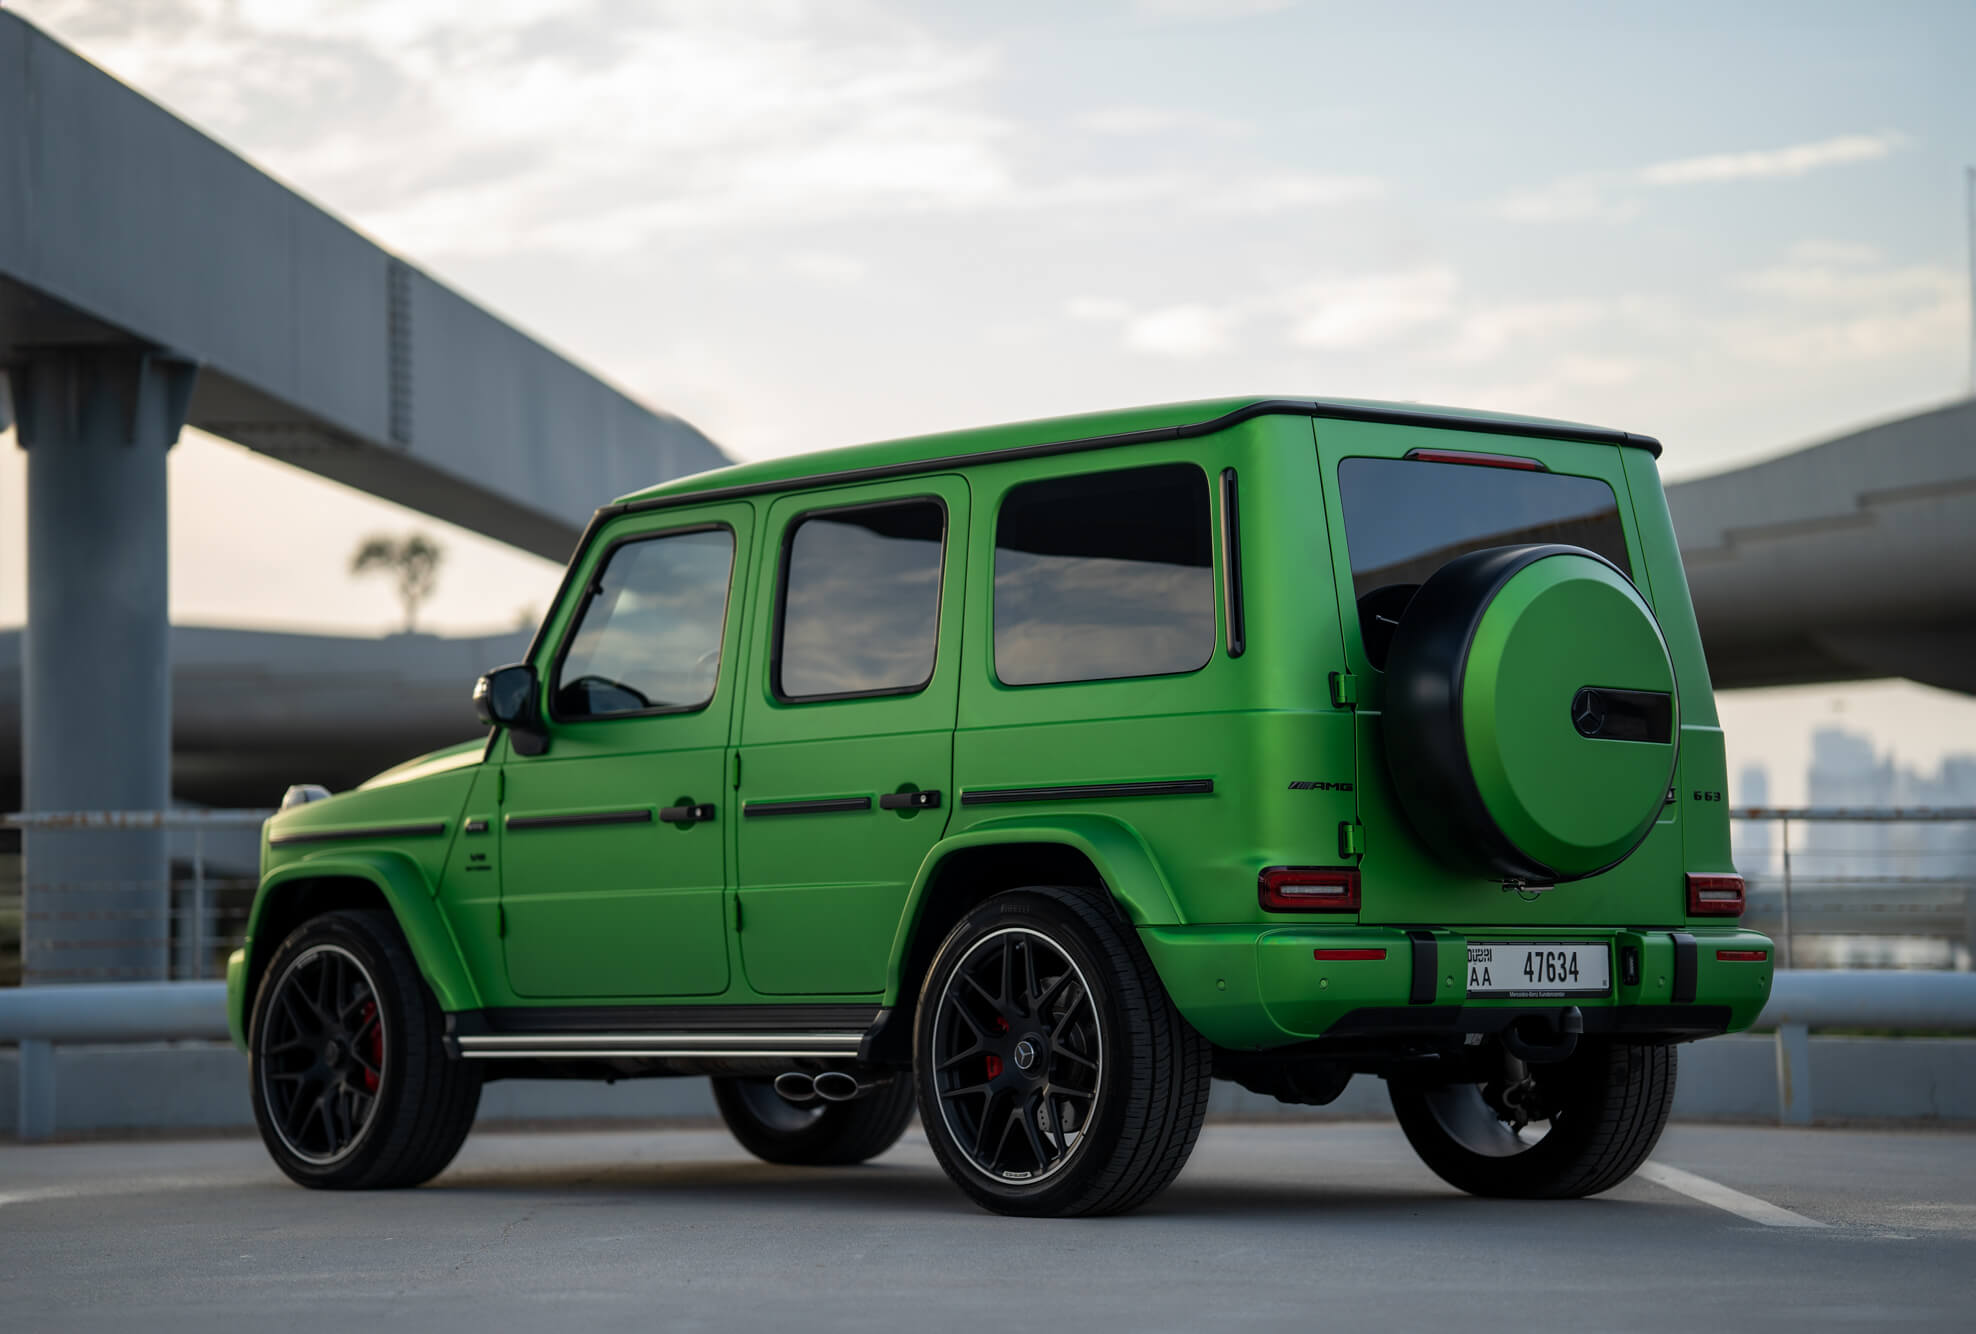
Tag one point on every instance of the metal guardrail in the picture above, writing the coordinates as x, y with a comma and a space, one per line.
1873, 901
38, 1018
192, 902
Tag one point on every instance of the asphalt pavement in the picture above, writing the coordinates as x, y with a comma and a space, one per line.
1282, 1225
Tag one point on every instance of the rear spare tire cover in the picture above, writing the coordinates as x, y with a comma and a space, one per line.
1531, 717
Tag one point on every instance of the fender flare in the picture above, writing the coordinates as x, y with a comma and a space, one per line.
410, 898
1130, 871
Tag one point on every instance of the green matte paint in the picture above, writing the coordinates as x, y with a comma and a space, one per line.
1574, 803
828, 907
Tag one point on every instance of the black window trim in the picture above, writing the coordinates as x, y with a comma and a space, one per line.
1001, 503
1233, 612
590, 591
779, 609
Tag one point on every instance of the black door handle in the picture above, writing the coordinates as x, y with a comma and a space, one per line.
689, 814
909, 801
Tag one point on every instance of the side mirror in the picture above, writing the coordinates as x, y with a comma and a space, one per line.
508, 697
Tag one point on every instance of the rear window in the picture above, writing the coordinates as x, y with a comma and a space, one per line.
1406, 518
861, 602
1103, 576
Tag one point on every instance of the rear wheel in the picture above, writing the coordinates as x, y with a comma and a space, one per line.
1560, 1131
1055, 1076
814, 1134
350, 1081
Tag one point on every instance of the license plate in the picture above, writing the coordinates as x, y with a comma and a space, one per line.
1538, 968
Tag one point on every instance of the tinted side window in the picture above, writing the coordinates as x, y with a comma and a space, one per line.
648, 638
1103, 576
860, 608
1406, 518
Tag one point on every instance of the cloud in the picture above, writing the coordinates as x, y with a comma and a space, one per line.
1769, 164
1096, 309
1185, 332
1283, 191
1614, 196
1353, 312
1489, 332
1829, 305
1136, 120
1185, 10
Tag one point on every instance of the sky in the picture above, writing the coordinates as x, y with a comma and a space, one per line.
1739, 228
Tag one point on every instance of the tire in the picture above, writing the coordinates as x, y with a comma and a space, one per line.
1532, 724
350, 1080
1608, 1104
819, 1134
1112, 1087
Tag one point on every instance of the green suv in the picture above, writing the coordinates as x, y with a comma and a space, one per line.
1033, 777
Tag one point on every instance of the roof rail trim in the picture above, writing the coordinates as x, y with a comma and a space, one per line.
1301, 407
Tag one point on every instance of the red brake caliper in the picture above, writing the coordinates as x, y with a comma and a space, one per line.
995, 1062
376, 1046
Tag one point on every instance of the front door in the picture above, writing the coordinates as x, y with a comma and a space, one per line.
847, 731
613, 873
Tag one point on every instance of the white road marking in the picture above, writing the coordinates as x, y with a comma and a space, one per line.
135, 1186
1722, 1197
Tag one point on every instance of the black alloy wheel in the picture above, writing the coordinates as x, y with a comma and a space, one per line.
322, 1054
1055, 1076
1018, 1055
351, 1083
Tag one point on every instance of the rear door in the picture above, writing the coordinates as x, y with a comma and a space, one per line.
1403, 501
848, 729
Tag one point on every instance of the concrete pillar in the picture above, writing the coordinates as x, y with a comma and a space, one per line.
96, 669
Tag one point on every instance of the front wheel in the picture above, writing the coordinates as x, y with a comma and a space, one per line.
1545, 1132
351, 1084
1055, 1076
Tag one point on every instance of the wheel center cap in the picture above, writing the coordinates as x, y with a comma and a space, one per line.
1025, 1054
332, 1053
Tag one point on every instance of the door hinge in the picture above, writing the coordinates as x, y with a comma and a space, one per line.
501, 921
1344, 690
500, 786
737, 771
1351, 838
737, 912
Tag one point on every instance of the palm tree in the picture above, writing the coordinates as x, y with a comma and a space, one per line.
413, 560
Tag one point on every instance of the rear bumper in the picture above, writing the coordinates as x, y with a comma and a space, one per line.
1255, 987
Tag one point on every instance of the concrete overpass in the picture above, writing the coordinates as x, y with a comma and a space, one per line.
1848, 560
149, 277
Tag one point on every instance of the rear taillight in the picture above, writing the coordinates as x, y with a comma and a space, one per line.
1309, 889
1715, 896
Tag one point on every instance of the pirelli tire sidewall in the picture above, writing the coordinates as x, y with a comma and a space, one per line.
1426, 746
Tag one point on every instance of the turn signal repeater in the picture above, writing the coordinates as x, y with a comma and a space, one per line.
1309, 889
1715, 895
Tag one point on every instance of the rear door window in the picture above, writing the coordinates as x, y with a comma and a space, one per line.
860, 608
1406, 518
1103, 576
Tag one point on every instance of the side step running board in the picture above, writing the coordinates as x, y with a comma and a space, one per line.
489, 1046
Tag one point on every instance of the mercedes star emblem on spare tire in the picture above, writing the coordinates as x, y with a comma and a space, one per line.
1588, 712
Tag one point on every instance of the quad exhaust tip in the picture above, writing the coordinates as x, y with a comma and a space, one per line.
799, 1086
